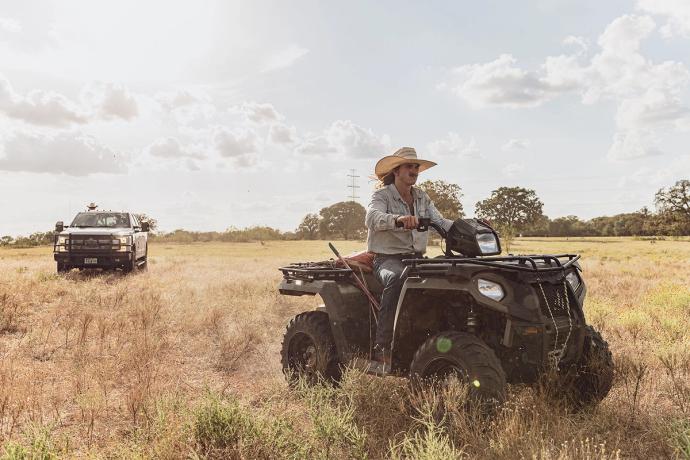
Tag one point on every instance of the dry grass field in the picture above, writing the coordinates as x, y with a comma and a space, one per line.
182, 361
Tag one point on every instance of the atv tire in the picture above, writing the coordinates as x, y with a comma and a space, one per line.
465, 356
591, 379
308, 350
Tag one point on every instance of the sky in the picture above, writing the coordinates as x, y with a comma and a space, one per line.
216, 114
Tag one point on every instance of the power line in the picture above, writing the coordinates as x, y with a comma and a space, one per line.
353, 185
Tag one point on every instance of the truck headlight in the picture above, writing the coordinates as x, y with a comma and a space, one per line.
573, 280
490, 289
61, 244
124, 241
487, 243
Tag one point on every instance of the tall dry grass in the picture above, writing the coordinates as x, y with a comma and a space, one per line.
182, 361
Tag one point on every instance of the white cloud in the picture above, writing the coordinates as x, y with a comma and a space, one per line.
70, 153
345, 138
110, 101
501, 83
633, 143
315, 145
170, 147
241, 145
354, 141
176, 99
47, 108
282, 134
453, 145
10, 25
39, 107
677, 13
260, 113
513, 169
515, 144
284, 58
648, 94
579, 42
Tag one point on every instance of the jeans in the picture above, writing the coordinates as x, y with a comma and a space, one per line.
388, 269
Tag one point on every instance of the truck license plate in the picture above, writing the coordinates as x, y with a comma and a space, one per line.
91, 260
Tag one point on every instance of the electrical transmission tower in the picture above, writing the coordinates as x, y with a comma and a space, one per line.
353, 185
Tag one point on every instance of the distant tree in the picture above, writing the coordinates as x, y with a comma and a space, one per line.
153, 223
6, 240
309, 228
569, 226
675, 199
511, 209
344, 220
446, 197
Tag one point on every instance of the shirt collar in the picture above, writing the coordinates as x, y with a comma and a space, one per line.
394, 190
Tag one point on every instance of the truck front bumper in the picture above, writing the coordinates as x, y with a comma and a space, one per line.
108, 260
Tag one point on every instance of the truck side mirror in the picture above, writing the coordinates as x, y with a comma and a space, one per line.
144, 226
59, 226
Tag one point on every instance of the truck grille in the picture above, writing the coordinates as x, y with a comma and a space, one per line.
91, 243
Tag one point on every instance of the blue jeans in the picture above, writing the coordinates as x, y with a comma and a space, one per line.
388, 269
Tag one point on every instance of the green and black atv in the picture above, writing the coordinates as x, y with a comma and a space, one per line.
486, 319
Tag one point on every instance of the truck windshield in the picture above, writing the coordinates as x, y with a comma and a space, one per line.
101, 219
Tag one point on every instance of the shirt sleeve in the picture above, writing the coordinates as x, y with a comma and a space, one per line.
377, 218
436, 216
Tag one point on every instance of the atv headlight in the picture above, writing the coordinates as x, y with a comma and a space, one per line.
490, 289
487, 243
573, 280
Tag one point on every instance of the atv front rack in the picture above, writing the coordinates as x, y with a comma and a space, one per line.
312, 271
528, 263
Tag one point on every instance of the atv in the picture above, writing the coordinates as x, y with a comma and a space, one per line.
468, 314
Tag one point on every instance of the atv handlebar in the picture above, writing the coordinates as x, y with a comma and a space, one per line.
423, 226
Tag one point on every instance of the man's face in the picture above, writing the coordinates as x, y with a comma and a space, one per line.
407, 173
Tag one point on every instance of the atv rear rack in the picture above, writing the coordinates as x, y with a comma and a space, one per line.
312, 271
528, 263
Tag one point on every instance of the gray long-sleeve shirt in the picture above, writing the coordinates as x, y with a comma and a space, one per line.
386, 205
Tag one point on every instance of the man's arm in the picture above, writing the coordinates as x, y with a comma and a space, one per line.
436, 216
377, 218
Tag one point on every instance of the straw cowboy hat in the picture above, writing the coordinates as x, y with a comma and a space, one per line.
402, 156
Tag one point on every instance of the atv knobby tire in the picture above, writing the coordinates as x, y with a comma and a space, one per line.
308, 350
592, 378
463, 355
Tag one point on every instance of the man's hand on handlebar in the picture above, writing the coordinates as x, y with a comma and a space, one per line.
407, 222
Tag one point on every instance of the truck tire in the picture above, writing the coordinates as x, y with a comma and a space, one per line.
144, 266
462, 355
131, 265
62, 268
308, 350
592, 378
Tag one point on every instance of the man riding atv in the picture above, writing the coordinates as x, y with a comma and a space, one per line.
471, 314
392, 219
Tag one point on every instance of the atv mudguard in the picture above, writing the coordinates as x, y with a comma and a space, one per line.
352, 323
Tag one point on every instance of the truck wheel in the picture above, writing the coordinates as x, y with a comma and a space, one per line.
591, 379
62, 268
464, 356
308, 350
145, 261
131, 265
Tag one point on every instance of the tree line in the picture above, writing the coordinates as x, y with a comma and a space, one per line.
519, 211
512, 211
